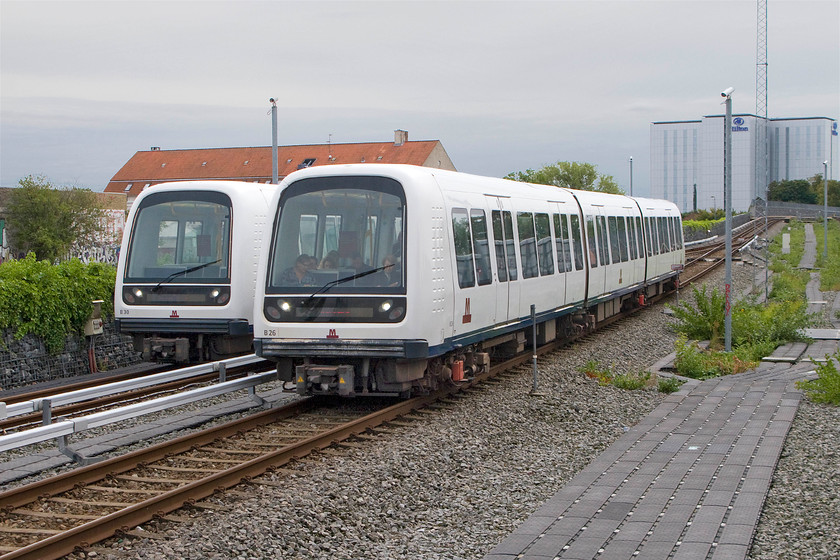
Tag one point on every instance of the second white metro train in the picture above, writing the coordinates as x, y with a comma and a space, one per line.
392, 279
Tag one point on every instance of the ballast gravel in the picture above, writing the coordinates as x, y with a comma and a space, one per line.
454, 483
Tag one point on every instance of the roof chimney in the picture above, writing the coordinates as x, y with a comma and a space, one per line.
400, 137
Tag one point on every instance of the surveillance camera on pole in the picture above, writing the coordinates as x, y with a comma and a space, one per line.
727, 200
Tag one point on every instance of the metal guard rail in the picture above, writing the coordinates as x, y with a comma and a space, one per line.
71, 397
67, 427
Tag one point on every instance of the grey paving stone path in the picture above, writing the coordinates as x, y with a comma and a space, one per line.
690, 480
687, 482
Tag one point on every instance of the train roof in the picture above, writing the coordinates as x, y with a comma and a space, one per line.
468, 182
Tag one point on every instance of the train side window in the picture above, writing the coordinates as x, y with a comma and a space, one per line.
481, 247
615, 240
546, 256
463, 248
639, 236
603, 240
663, 235
622, 238
577, 242
561, 231
590, 234
631, 235
510, 245
567, 249
499, 245
678, 225
527, 244
653, 238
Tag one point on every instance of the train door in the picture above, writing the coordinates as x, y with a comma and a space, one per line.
504, 257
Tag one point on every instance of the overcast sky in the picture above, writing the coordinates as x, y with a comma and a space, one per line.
505, 86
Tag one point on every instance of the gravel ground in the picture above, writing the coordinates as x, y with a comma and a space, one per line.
455, 483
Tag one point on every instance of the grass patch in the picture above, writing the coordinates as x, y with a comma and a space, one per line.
632, 381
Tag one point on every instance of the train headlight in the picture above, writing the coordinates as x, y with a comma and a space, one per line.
385, 306
219, 296
277, 309
138, 293
396, 313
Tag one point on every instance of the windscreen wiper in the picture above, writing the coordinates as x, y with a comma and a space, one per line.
332, 283
182, 272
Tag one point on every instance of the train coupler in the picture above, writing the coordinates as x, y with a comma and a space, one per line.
325, 380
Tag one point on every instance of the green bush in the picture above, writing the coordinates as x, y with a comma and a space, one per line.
826, 387
696, 363
52, 301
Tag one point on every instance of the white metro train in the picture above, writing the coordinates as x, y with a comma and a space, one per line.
392, 279
187, 269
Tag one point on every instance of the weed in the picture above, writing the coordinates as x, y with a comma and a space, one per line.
826, 387
669, 385
594, 370
632, 381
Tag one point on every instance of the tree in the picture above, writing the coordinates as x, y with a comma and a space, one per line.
571, 174
818, 188
50, 222
797, 190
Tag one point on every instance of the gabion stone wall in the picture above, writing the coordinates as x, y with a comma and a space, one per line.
26, 361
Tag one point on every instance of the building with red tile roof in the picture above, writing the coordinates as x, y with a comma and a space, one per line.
150, 167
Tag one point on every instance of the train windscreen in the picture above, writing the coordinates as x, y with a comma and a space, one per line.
339, 235
181, 237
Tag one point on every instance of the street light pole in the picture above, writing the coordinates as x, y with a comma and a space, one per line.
274, 178
727, 200
631, 175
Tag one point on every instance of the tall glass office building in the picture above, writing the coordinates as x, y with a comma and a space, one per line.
686, 157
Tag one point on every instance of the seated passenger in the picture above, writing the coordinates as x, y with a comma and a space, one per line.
299, 275
359, 264
391, 273
330, 262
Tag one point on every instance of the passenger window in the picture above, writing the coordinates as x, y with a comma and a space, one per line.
527, 244
590, 234
578, 243
678, 225
631, 235
510, 245
561, 239
463, 249
499, 245
663, 235
481, 247
603, 240
544, 244
639, 236
622, 238
615, 243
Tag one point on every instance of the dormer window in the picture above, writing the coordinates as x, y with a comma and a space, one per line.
128, 187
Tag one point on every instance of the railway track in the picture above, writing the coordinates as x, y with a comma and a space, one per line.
55, 516
703, 259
